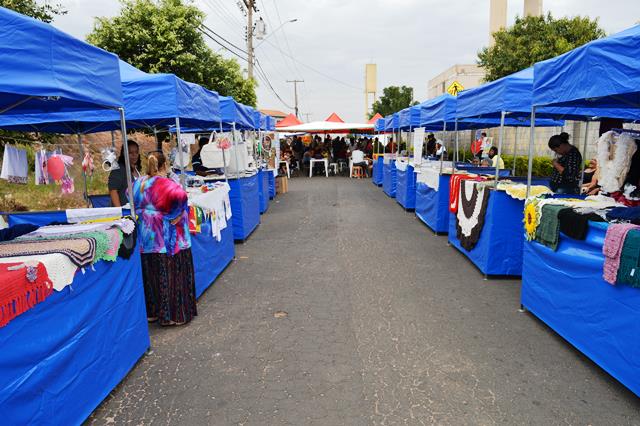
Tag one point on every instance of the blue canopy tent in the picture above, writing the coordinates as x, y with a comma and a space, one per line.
378, 162
44, 70
565, 288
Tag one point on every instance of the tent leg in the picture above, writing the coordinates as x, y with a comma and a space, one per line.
584, 150
84, 174
500, 141
515, 146
180, 153
532, 139
127, 161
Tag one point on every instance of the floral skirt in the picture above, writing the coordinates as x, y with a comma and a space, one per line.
169, 287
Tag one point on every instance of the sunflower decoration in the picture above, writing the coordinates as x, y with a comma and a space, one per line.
531, 219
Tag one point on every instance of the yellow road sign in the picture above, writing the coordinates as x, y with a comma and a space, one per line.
455, 88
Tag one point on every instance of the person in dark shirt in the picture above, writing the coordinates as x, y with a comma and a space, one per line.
431, 145
565, 178
117, 183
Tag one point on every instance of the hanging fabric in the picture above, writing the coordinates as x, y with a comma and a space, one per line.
14, 165
614, 160
87, 164
472, 208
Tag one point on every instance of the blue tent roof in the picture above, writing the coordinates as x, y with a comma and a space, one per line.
409, 117
379, 127
149, 100
62, 73
234, 112
271, 123
437, 111
601, 78
391, 122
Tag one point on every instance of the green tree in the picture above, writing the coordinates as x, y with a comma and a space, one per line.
163, 36
393, 99
45, 12
533, 39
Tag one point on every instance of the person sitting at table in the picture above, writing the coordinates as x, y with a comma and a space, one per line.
591, 176
357, 158
196, 160
494, 160
565, 178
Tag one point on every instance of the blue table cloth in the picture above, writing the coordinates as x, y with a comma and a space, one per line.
499, 248
210, 256
245, 205
406, 188
263, 190
61, 358
377, 172
389, 179
432, 207
272, 184
566, 291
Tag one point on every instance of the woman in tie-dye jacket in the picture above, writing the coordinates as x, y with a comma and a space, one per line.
165, 243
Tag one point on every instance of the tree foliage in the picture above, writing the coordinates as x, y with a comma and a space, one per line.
532, 39
163, 36
393, 99
44, 12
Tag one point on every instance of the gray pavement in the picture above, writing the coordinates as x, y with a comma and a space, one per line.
384, 324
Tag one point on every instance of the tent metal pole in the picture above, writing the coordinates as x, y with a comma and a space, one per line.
444, 128
113, 140
500, 141
127, 161
84, 174
155, 135
515, 147
224, 160
532, 138
180, 154
584, 150
456, 158
235, 145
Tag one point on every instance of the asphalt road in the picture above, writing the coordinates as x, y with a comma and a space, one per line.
342, 309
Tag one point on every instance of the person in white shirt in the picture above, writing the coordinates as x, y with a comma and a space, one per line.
357, 158
440, 149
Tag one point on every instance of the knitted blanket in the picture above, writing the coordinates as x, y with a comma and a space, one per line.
548, 231
21, 288
473, 203
81, 251
612, 249
629, 271
454, 190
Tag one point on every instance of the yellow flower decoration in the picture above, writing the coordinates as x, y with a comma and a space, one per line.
530, 220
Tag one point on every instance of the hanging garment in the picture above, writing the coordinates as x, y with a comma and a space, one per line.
612, 249
614, 160
87, 164
14, 165
629, 270
41, 175
23, 286
548, 231
472, 208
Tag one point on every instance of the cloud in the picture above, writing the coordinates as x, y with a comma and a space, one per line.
410, 40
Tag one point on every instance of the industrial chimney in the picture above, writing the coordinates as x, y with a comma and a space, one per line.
497, 17
532, 8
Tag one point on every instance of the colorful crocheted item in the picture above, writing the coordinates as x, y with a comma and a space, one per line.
81, 251
472, 208
548, 231
612, 249
21, 288
531, 219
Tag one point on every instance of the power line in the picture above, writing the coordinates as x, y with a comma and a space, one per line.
259, 67
204, 32
317, 71
224, 39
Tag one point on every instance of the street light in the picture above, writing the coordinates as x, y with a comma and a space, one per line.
263, 38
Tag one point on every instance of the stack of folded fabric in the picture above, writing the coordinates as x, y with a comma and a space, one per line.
22, 286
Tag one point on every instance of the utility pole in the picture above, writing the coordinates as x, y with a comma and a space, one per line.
295, 92
251, 7
307, 115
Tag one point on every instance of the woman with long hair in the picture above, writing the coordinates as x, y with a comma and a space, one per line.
165, 243
567, 166
118, 178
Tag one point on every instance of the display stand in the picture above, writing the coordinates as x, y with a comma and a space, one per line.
432, 206
272, 183
406, 187
245, 205
263, 189
499, 248
377, 171
389, 178
566, 291
65, 355
210, 256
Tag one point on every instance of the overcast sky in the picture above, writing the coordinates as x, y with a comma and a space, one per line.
410, 40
